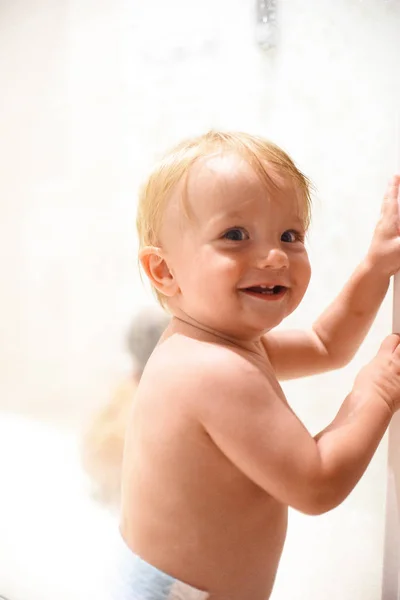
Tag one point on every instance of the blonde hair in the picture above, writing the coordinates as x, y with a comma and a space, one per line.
259, 153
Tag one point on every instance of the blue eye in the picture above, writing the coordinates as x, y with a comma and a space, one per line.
236, 234
291, 236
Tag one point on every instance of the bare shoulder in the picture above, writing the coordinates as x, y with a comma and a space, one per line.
202, 369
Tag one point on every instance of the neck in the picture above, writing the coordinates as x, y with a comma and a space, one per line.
183, 323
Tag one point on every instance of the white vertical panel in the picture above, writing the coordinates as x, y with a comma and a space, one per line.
391, 561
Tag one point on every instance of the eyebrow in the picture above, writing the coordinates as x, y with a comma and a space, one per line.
218, 219
232, 214
295, 219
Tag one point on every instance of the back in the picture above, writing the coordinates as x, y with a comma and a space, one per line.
185, 507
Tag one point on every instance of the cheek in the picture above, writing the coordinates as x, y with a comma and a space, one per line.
212, 279
307, 274
303, 270
226, 272
219, 265
300, 266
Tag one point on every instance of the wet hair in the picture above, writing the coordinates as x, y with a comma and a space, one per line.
175, 165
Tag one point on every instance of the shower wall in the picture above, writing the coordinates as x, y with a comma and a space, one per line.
91, 92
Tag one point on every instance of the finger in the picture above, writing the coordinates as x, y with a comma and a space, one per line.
392, 190
391, 199
390, 343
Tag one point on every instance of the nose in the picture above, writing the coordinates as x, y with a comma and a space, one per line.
274, 258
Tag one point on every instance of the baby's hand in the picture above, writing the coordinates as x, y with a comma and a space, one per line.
381, 377
384, 252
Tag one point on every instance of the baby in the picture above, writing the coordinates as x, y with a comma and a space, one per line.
214, 454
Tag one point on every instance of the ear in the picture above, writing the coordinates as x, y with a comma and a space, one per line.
157, 270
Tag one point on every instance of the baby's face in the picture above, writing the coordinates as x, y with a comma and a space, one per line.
238, 257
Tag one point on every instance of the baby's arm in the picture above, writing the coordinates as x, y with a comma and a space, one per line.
338, 333
249, 419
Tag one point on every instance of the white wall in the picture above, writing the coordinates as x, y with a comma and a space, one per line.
90, 92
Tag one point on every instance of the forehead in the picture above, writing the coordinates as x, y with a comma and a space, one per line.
220, 179
228, 183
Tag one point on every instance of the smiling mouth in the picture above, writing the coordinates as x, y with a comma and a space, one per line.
265, 290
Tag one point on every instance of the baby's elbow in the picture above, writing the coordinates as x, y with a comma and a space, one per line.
320, 502
338, 360
317, 508
342, 360
331, 356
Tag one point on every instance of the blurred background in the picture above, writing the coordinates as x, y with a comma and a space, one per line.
91, 92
